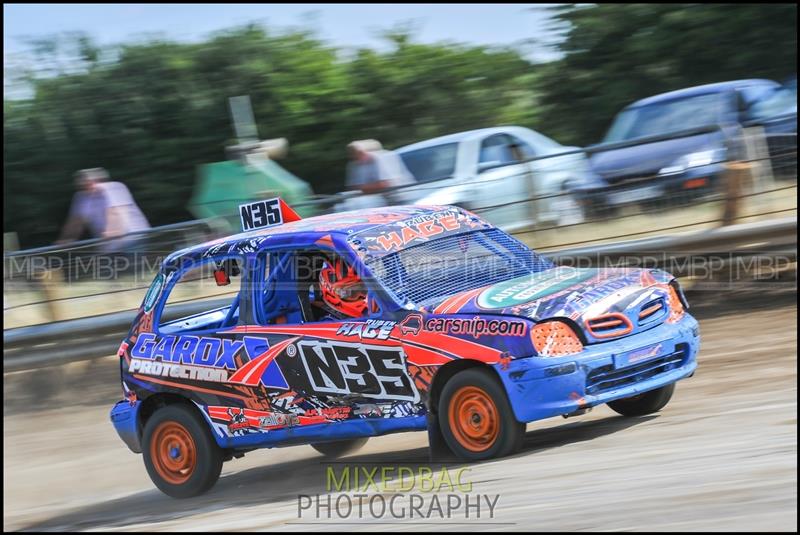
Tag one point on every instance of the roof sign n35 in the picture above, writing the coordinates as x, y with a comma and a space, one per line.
267, 213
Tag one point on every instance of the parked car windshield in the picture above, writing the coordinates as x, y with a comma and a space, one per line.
539, 142
431, 163
662, 118
423, 273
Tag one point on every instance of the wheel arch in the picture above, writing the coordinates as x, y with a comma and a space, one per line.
447, 372
158, 400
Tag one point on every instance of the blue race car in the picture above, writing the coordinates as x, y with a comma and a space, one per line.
378, 321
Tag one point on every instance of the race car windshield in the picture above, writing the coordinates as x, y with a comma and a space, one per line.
424, 273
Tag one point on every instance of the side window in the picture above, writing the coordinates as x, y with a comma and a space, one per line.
205, 297
306, 286
525, 150
496, 150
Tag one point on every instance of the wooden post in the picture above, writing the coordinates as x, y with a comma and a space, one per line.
49, 282
516, 153
736, 174
757, 155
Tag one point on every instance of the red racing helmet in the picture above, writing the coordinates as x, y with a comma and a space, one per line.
343, 290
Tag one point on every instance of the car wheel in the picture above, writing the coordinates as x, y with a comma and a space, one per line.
659, 205
595, 206
339, 448
568, 207
646, 403
180, 455
476, 418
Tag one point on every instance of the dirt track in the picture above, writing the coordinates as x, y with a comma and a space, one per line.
721, 456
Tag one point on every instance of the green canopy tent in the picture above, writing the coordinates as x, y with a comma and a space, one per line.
222, 186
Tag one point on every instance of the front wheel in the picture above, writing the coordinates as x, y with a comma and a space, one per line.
179, 452
339, 448
476, 418
647, 403
567, 207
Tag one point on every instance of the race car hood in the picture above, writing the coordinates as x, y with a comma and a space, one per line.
583, 296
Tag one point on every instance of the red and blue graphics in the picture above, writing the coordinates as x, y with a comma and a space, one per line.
264, 372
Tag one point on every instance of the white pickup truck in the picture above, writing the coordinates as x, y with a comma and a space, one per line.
500, 168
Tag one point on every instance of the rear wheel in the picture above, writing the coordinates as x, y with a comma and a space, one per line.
339, 448
179, 452
476, 418
646, 403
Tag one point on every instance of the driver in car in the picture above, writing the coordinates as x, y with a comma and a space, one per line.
343, 292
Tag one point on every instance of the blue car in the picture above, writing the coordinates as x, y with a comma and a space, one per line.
674, 145
336, 328
777, 114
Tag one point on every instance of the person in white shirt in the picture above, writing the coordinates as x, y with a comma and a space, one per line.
105, 208
372, 170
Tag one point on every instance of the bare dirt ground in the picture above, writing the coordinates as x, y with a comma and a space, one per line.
721, 456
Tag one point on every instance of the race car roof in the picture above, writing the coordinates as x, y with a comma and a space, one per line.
375, 231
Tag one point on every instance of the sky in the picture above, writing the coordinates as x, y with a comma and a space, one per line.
343, 25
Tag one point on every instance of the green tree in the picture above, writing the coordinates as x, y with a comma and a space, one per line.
150, 112
615, 54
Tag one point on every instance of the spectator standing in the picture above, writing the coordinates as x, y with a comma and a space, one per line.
105, 208
372, 170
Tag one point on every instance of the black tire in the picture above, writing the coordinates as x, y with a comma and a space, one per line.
596, 207
194, 436
500, 432
647, 403
339, 448
660, 204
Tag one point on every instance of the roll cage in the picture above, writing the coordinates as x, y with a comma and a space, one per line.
269, 290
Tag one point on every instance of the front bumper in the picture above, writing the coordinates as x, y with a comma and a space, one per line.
125, 417
690, 183
543, 387
699, 179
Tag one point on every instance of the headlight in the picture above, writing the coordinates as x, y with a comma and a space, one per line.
695, 159
676, 309
699, 159
555, 339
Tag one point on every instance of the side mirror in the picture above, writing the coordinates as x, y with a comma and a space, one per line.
221, 277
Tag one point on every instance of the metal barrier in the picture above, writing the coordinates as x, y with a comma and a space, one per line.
68, 257
43, 273
88, 338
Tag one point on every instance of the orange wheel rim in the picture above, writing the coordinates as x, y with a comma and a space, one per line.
173, 452
474, 419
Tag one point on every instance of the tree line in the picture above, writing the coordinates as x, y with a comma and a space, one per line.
151, 111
